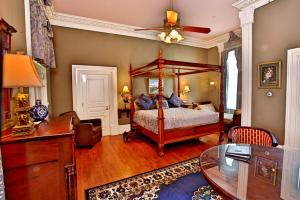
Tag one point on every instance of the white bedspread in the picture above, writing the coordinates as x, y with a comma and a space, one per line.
175, 118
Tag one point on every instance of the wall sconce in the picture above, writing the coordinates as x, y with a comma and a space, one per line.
125, 95
212, 83
186, 90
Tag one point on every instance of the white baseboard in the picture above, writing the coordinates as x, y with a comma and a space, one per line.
114, 130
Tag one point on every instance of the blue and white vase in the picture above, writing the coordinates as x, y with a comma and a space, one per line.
38, 112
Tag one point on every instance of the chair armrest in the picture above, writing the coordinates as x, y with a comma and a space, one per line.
94, 122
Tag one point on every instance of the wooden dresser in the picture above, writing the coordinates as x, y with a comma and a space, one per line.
41, 165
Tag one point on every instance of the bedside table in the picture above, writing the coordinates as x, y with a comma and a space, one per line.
123, 110
187, 105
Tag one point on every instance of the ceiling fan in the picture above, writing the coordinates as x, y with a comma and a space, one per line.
172, 28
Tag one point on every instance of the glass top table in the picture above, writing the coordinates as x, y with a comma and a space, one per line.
271, 173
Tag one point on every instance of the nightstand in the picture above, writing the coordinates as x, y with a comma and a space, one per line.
123, 110
187, 105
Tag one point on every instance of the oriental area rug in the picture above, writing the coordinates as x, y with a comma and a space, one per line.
181, 181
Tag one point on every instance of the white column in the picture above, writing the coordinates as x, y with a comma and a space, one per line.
220, 50
247, 19
246, 14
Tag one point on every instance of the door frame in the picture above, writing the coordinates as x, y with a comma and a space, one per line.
113, 101
292, 112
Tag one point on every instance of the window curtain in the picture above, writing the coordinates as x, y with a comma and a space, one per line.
41, 33
238, 55
224, 63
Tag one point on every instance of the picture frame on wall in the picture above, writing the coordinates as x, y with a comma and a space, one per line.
269, 74
153, 85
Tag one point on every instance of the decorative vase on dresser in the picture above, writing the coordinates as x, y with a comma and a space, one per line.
38, 112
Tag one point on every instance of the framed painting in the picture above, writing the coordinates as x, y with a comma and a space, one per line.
269, 75
153, 86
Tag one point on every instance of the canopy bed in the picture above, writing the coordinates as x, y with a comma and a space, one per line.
165, 126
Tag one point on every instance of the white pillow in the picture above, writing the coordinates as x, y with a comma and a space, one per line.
165, 104
207, 107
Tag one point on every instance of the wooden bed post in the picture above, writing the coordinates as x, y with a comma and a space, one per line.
221, 107
131, 98
178, 83
161, 136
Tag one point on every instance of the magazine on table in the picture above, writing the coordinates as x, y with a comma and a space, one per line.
239, 151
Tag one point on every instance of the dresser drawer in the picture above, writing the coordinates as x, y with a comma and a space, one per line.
29, 153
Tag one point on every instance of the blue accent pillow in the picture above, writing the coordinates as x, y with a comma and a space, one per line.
145, 102
175, 101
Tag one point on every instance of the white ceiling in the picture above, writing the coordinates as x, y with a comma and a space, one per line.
219, 15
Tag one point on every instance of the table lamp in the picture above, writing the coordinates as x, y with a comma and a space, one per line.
186, 90
18, 72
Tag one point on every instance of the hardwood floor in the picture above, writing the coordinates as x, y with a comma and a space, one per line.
112, 159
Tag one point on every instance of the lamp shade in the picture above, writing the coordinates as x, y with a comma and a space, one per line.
19, 71
125, 89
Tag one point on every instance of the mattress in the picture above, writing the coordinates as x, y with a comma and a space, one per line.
175, 118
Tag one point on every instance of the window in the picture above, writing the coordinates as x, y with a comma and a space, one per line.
232, 81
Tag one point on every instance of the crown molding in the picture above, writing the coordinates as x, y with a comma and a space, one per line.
215, 42
244, 4
84, 23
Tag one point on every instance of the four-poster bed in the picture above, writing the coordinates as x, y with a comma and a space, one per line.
165, 136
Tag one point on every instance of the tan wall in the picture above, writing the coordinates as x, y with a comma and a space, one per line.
276, 29
214, 91
74, 46
12, 11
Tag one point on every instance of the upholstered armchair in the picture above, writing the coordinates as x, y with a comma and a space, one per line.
252, 135
87, 132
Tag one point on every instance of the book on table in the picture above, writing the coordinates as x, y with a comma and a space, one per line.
239, 151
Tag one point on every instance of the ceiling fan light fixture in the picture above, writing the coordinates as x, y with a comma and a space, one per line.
179, 38
173, 34
162, 36
172, 17
168, 40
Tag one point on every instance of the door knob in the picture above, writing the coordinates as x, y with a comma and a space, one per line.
107, 108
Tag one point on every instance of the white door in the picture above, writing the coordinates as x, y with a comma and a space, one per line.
95, 99
92, 95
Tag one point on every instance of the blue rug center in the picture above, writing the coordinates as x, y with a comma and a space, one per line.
183, 188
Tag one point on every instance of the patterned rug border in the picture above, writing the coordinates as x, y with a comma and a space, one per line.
174, 164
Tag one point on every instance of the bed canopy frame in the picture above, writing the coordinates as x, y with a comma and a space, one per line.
167, 136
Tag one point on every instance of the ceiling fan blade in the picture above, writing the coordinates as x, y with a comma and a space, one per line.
195, 29
148, 29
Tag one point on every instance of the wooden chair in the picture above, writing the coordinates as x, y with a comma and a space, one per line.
252, 135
